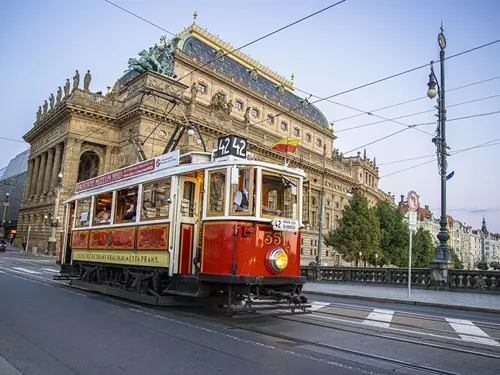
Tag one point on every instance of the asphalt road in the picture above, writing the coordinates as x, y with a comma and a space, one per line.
48, 328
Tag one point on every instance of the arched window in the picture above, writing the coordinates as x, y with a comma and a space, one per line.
89, 166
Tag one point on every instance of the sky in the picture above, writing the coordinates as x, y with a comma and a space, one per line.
349, 45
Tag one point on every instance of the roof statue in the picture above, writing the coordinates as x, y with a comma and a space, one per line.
158, 59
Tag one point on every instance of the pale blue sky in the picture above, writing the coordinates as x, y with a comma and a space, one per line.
43, 42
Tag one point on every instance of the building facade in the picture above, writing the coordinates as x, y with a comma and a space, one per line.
83, 134
12, 183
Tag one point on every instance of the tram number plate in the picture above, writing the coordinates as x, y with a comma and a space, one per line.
285, 225
231, 145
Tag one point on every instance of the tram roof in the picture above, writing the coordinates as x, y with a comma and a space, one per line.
167, 165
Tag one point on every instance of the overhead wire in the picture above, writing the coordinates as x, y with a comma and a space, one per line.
414, 100
493, 142
415, 114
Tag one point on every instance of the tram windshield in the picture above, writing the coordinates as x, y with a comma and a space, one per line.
279, 195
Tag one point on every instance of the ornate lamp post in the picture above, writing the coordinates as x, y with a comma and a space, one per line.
442, 255
376, 260
51, 245
359, 259
4, 216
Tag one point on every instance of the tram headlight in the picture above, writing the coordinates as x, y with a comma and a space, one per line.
278, 260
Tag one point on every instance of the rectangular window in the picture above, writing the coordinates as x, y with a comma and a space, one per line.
255, 112
326, 224
296, 132
83, 212
312, 242
318, 142
279, 195
156, 200
308, 137
284, 126
243, 193
102, 210
126, 204
238, 104
270, 119
216, 192
202, 87
314, 219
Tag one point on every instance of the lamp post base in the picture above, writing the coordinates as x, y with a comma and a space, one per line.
439, 274
51, 247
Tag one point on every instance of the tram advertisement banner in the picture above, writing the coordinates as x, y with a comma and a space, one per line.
136, 258
168, 160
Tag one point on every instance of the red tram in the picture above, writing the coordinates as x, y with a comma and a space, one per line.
216, 228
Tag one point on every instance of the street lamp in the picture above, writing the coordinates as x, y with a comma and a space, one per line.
3, 230
376, 259
442, 254
51, 243
359, 261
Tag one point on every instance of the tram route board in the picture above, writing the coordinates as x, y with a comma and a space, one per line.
231, 145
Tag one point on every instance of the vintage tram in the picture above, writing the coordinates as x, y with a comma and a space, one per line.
205, 227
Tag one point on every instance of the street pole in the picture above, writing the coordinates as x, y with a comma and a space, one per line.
28, 239
51, 245
409, 265
321, 197
442, 254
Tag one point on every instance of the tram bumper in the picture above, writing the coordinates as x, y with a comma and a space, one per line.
252, 280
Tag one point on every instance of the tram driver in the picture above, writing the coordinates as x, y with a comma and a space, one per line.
241, 196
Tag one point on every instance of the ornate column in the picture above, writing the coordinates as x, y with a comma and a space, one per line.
48, 172
29, 176
56, 167
73, 149
39, 182
107, 158
34, 178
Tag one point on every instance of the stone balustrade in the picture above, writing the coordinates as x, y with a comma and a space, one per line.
420, 277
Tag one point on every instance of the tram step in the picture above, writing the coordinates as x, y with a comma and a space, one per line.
186, 285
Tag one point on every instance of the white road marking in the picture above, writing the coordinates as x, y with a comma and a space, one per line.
316, 305
379, 318
124, 303
2, 272
38, 277
26, 270
50, 270
468, 331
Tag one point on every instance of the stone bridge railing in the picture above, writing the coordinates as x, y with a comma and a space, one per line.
420, 277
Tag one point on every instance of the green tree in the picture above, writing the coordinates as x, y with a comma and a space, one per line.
423, 248
394, 235
458, 263
358, 230
482, 265
495, 265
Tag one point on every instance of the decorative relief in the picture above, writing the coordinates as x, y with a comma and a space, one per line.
153, 237
96, 130
80, 239
113, 238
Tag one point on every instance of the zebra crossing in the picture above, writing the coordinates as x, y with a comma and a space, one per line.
482, 333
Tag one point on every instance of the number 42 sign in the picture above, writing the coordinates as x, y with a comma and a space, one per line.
231, 145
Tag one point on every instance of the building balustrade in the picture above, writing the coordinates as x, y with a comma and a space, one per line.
470, 280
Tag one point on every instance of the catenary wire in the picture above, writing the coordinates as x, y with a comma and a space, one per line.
486, 144
414, 114
416, 99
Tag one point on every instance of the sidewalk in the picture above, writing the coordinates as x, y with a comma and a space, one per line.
481, 302
14, 249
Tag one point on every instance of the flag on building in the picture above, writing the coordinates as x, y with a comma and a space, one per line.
450, 175
285, 145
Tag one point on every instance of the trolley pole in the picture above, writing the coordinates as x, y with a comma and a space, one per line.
321, 198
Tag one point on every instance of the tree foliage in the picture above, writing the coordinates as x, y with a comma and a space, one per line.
394, 235
458, 263
482, 265
423, 248
358, 230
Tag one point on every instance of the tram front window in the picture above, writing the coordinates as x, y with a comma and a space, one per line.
279, 195
216, 196
243, 193
102, 214
126, 203
156, 200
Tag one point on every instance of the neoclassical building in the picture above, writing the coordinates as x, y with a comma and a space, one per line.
189, 79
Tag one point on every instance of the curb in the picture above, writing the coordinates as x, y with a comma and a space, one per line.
405, 302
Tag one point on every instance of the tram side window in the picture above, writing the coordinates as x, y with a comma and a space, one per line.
156, 200
217, 192
102, 213
279, 195
243, 194
126, 204
83, 213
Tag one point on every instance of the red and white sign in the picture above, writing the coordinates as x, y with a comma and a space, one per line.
168, 160
413, 203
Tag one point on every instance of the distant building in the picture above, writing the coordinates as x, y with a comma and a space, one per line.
12, 181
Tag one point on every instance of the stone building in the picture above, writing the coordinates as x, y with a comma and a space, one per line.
12, 182
189, 79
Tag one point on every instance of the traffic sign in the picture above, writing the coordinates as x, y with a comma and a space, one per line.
413, 201
412, 220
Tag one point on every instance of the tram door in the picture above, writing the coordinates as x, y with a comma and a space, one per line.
188, 223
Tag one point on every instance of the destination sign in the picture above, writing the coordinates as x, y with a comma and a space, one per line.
285, 225
168, 160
